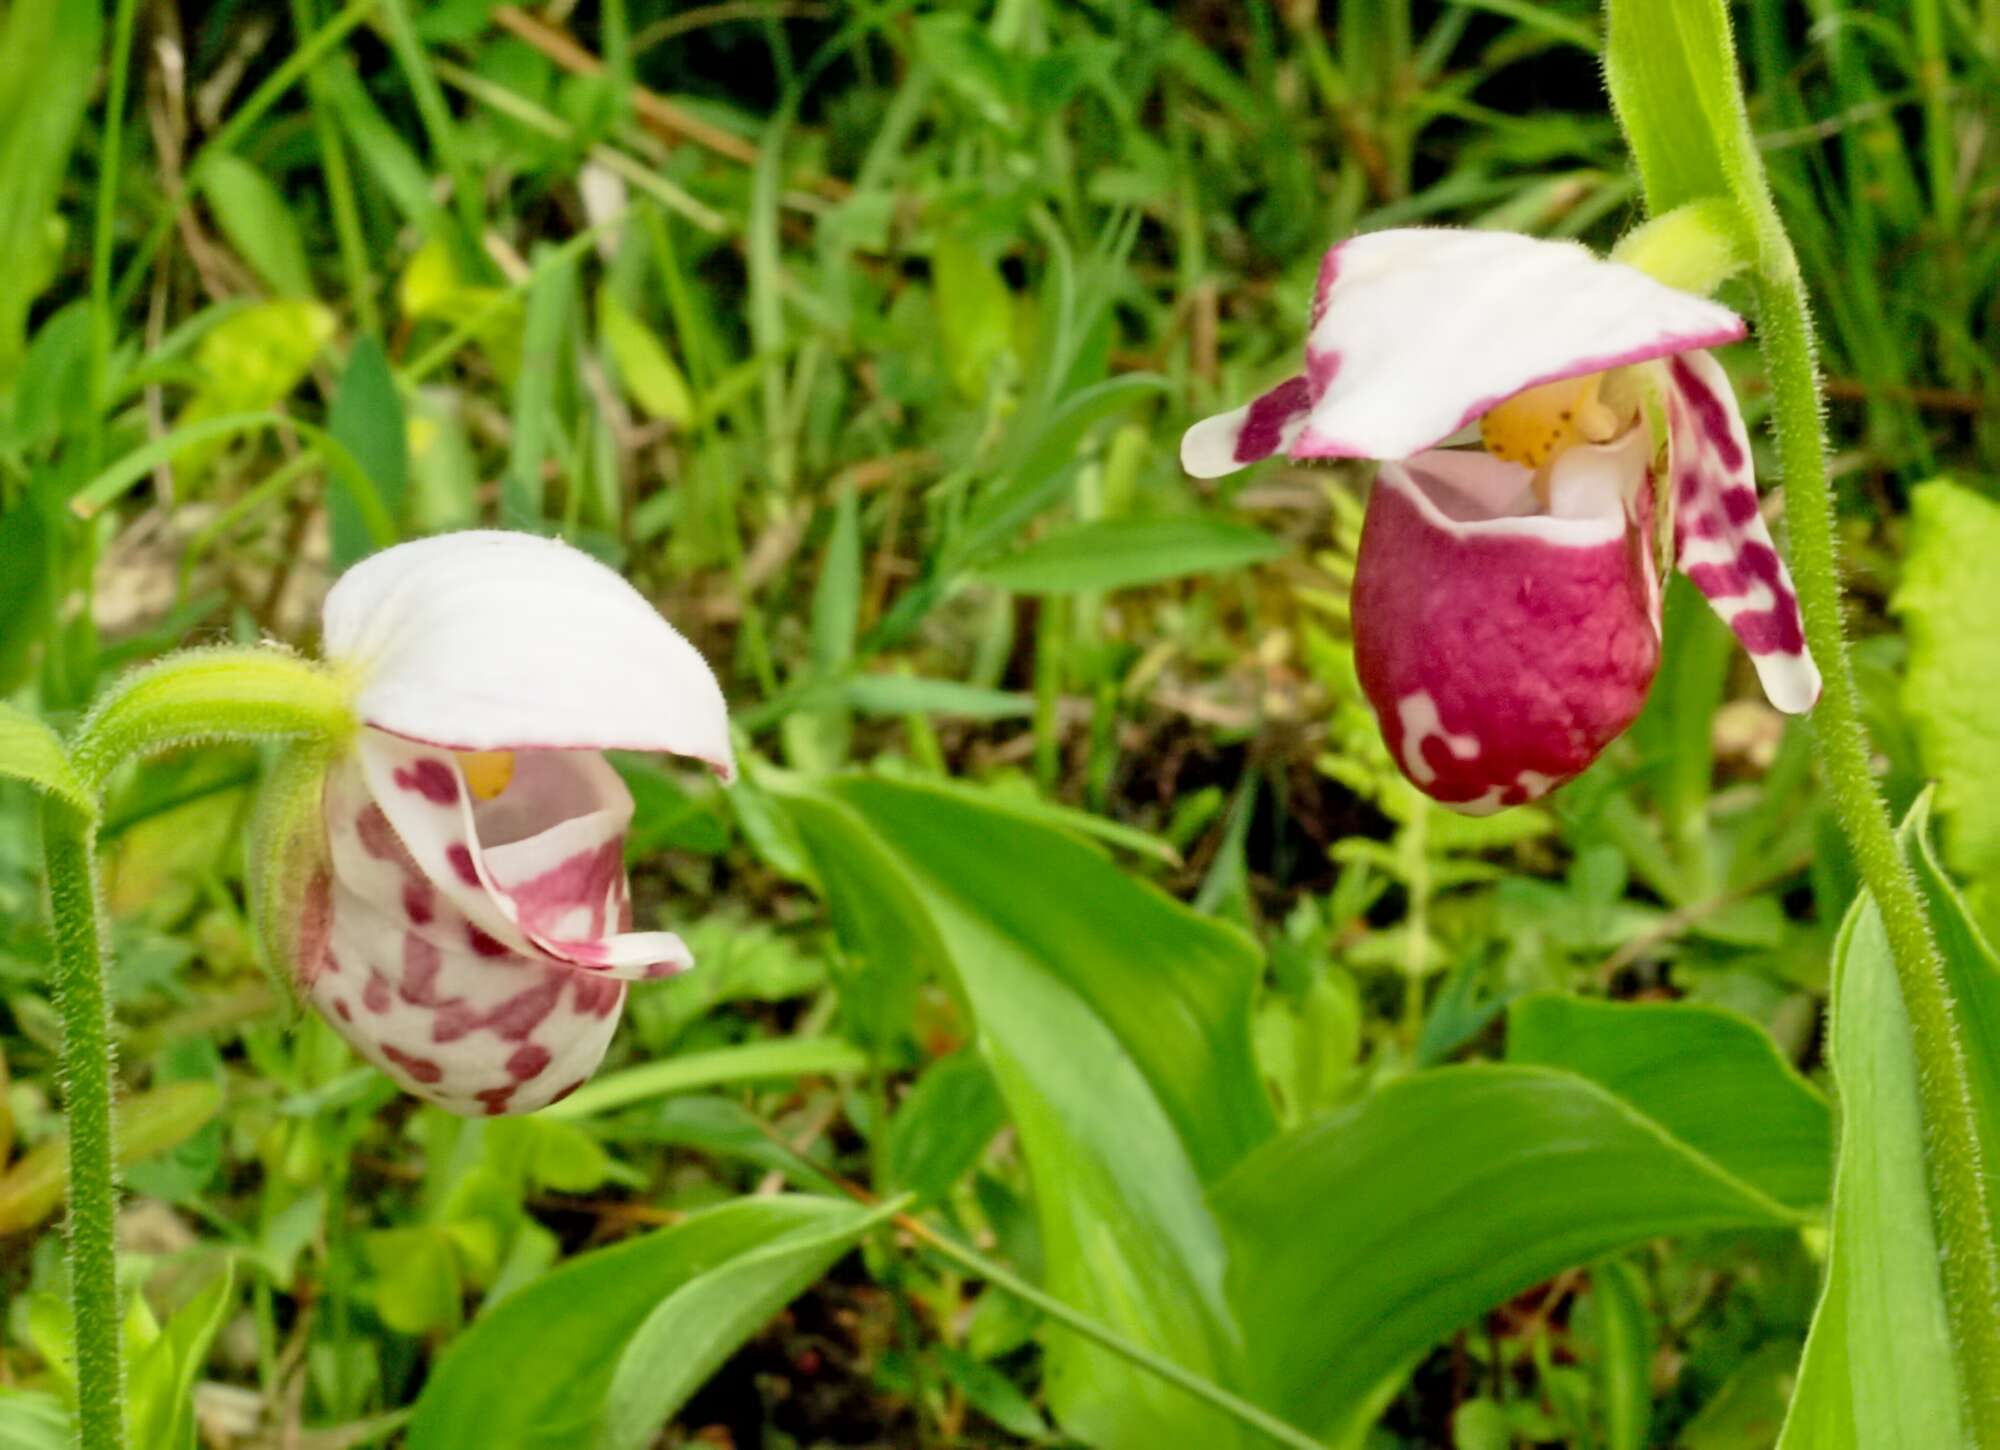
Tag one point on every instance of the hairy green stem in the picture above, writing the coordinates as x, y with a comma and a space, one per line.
85, 1004
1970, 1258
249, 692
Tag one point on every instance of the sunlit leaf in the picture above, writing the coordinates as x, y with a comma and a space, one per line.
1712, 1079
496, 1386
1952, 686
258, 223
702, 1321
1364, 1238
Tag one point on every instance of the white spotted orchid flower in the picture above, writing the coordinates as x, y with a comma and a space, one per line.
1506, 601
464, 917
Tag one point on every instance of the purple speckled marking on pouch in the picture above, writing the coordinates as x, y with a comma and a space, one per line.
421, 1069
459, 856
430, 778
419, 901
528, 1061
422, 962
482, 944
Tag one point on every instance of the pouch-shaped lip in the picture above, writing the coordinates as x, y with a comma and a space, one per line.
1502, 649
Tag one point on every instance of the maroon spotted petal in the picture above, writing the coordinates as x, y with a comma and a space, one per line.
477, 951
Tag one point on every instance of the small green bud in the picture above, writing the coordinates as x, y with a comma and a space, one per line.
1695, 248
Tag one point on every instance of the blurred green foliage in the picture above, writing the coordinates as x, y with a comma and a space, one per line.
861, 338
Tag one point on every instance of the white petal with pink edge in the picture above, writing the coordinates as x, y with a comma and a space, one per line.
1415, 332
502, 641
540, 869
1720, 540
448, 1011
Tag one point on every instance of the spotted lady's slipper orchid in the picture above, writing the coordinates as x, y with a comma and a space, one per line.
463, 917
1506, 601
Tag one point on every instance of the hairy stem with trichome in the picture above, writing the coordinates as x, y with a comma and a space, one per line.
1970, 1258
84, 1001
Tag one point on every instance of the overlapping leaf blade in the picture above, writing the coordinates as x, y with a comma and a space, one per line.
498, 1388
1879, 1368
1116, 1023
1360, 1240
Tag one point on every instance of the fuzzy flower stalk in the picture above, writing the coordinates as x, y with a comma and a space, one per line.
448, 886
1553, 436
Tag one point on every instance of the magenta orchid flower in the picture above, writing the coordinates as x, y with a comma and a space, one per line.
469, 928
1506, 601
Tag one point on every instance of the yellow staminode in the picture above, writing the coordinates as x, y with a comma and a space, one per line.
487, 772
1532, 427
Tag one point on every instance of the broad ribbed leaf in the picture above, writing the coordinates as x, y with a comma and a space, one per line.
498, 1386
1712, 1079
1361, 1240
1116, 1024
1879, 1370
701, 1323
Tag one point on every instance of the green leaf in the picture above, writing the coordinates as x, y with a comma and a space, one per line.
250, 360
48, 54
258, 222
367, 420
30, 751
1952, 685
781, 1058
836, 606
25, 600
944, 1125
1125, 553
1116, 1023
1627, 1340
1364, 1238
1034, 469
498, 1388
975, 313
417, 1289
1671, 69
150, 1123
161, 1408
535, 423
1879, 1367
644, 365
32, 1420
702, 1321
910, 695
1712, 1079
